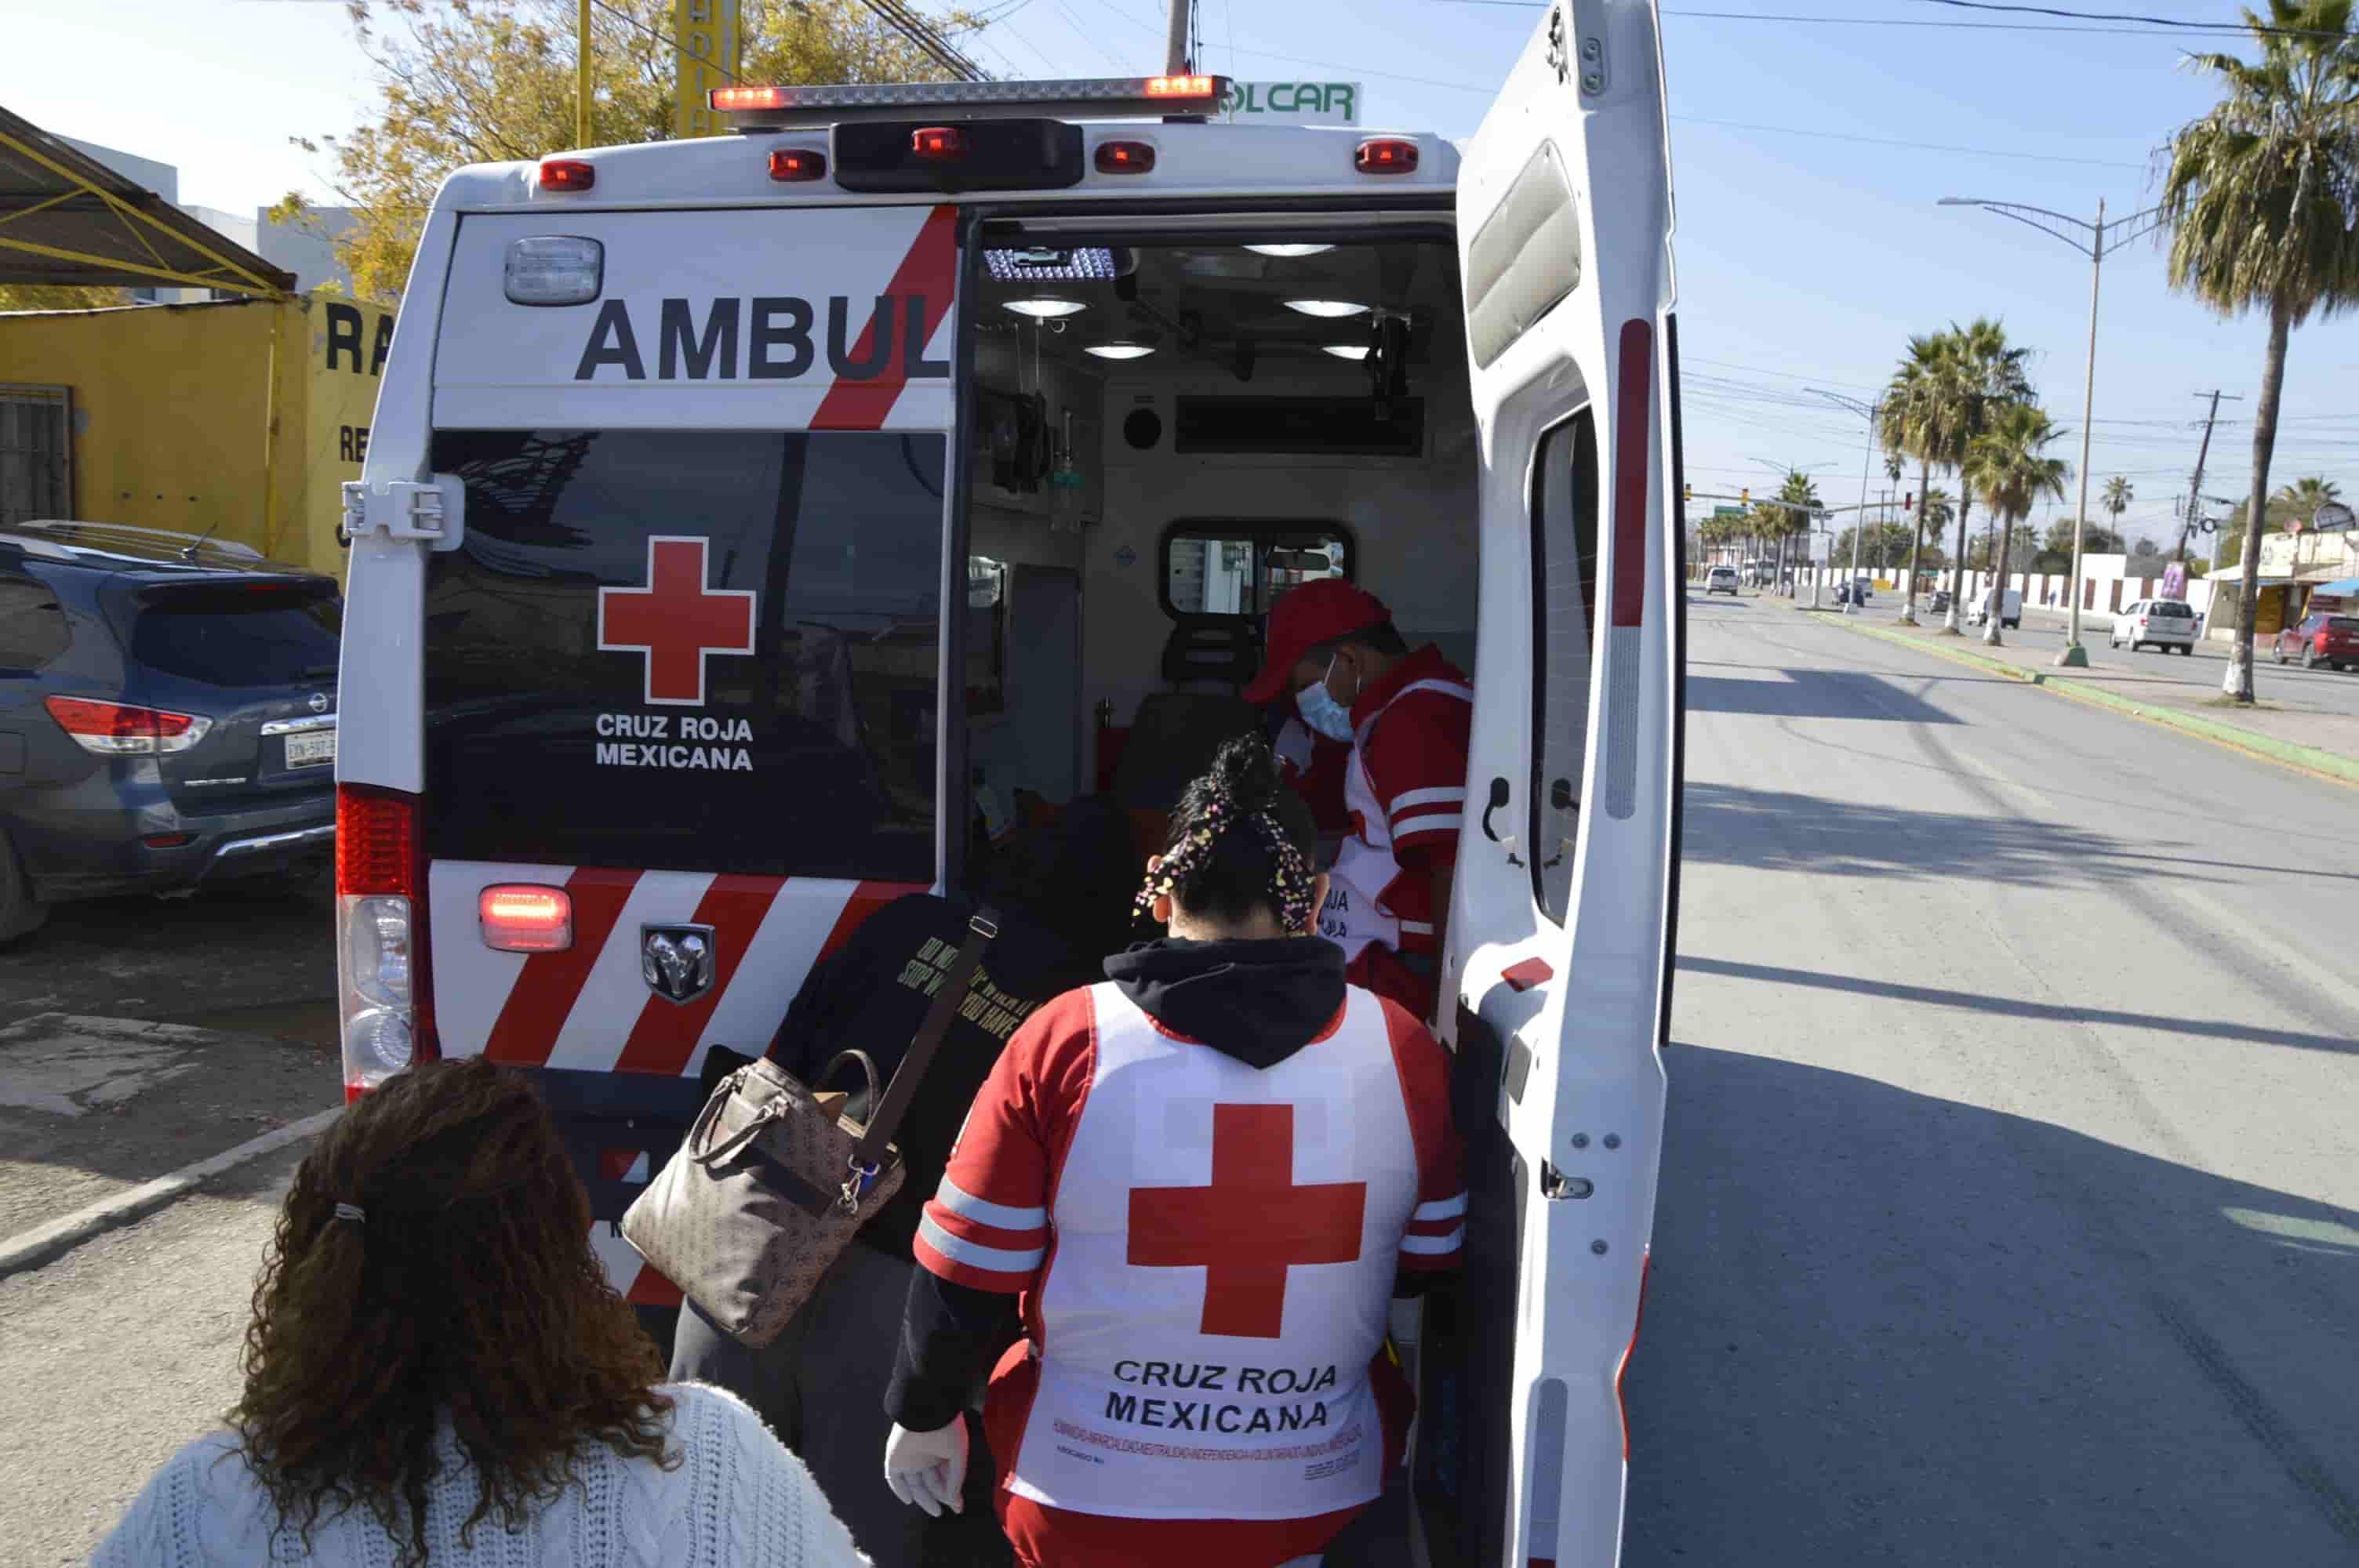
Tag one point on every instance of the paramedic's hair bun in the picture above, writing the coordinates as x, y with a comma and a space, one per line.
1246, 772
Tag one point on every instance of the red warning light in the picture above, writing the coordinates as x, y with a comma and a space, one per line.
1178, 87
1385, 155
1125, 158
797, 163
938, 144
567, 174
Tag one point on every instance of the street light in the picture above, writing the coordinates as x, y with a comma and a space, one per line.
1867, 411
2101, 239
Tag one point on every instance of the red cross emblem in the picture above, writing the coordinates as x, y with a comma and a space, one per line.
675, 621
1250, 1226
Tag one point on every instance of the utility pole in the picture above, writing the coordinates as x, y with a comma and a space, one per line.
1866, 465
2195, 490
581, 80
1175, 48
2096, 240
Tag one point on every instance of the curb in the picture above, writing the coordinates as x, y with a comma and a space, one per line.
29, 1250
2330, 765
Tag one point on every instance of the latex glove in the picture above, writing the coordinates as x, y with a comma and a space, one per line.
928, 1469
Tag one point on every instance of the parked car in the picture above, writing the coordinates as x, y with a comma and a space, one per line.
2321, 639
168, 715
2164, 623
2010, 613
1721, 579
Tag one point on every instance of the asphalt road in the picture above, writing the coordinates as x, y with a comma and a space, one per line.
2008, 1211
2008, 1215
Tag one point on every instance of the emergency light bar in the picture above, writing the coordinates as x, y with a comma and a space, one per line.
1098, 97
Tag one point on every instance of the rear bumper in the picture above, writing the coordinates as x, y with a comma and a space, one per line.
75, 847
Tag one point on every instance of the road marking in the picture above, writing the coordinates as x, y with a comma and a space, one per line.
31, 1249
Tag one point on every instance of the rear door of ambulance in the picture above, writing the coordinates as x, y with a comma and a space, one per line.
677, 725
1564, 912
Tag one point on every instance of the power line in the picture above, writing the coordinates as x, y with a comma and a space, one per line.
1892, 142
2214, 30
2175, 24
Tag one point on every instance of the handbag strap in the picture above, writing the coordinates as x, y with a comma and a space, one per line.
870, 1151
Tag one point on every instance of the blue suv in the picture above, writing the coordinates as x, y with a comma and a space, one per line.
167, 715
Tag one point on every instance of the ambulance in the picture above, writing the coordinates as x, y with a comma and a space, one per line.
754, 526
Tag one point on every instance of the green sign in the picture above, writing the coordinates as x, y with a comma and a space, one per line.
1728, 511
1292, 104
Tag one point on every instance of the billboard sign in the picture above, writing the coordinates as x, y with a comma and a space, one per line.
2331, 518
2174, 580
1292, 104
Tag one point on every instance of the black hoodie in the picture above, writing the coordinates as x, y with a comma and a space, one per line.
1257, 1001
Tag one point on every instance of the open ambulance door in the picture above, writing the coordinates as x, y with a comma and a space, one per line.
1564, 912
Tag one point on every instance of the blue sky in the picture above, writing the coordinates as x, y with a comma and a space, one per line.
1805, 260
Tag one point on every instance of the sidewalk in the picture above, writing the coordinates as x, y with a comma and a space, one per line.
2283, 726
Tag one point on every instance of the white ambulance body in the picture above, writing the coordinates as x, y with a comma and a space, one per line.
745, 516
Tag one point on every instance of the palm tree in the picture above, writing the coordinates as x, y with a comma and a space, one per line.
1982, 375
2304, 497
2117, 498
1797, 491
2262, 195
2008, 463
1909, 423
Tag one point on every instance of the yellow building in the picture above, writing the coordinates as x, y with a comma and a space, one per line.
239, 418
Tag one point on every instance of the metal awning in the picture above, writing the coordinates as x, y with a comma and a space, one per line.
66, 218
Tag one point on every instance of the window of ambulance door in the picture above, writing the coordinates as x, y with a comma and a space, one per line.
814, 756
1564, 599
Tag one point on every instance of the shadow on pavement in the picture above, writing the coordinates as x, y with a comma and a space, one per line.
1813, 694
2017, 1007
1889, 1328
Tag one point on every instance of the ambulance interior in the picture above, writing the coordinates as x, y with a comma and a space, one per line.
1168, 437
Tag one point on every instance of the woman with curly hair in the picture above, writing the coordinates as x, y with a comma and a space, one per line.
438, 1373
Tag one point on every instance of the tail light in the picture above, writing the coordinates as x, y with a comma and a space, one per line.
382, 996
525, 917
119, 730
567, 174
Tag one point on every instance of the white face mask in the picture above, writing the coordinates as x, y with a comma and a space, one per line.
1321, 711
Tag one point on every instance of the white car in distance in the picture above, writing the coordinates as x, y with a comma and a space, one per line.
2164, 623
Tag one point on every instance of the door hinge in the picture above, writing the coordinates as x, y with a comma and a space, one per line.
434, 512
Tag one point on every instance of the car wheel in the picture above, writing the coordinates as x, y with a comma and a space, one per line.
2277, 651
21, 913
2310, 658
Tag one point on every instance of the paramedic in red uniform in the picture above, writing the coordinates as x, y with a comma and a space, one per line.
1408, 717
1206, 1179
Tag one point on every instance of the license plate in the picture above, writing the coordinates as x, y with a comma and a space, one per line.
310, 751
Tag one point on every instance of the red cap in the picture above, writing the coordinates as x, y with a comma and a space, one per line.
1315, 612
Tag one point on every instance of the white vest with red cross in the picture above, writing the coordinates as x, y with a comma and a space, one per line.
1356, 911
1226, 1240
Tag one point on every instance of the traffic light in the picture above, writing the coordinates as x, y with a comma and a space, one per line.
1745, 496
1687, 495
1908, 499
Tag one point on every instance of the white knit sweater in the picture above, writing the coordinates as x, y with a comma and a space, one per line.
739, 1497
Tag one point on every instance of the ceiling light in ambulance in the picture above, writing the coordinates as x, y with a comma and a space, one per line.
1289, 252
567, 174
796, 165
1042, 264
1046, 308
554, 269
524, 917
1327, 309
1348, 351
1119, 351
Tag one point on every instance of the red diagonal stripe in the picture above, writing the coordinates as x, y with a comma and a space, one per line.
665, 1034
545, 990
931, 269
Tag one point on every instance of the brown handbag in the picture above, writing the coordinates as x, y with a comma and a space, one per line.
774, 1178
